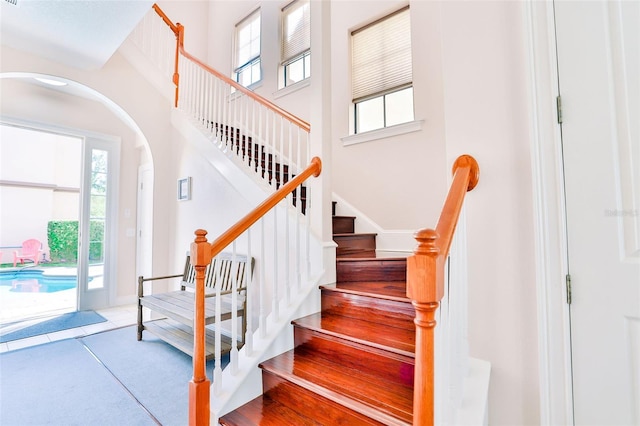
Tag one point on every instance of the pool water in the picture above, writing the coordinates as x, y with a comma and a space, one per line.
35, 281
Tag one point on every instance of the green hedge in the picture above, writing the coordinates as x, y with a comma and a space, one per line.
63, 240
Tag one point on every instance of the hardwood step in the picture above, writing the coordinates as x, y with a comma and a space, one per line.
366, 393
265, 411
371, 268
368, 307
343, 224
283, 404
390, 350
394, 290
352, 243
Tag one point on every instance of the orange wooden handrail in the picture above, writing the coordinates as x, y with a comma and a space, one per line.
425, 284
178, 30
202, 252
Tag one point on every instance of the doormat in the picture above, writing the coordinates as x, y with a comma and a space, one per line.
62, 322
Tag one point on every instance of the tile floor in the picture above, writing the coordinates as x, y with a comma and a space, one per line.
119, 316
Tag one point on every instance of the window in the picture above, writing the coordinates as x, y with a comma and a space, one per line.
296, 43
247, 61
381, 73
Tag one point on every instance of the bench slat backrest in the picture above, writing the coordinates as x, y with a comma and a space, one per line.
223, 269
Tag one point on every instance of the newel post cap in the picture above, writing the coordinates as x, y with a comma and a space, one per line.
465, 161
200, 249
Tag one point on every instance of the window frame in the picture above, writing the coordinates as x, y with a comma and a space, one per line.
303, 54
253, 60
380, 89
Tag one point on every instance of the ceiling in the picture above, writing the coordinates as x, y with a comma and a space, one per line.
78, 33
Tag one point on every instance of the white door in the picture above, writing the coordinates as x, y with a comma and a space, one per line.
599, 71
98, 224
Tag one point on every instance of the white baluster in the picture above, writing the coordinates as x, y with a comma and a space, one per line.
217, 370
234, 312
276, 283
248, 284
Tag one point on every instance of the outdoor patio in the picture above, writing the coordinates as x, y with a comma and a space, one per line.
25, 301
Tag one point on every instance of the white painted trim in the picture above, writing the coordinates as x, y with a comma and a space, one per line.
475, 403
386, 132
292, 88
550, 235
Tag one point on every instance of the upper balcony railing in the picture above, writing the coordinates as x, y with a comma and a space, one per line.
236, 119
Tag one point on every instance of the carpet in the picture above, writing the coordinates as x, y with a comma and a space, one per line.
105, 379
62, 322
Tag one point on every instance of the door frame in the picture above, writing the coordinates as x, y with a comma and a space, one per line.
101, 138
99, 298
554, 336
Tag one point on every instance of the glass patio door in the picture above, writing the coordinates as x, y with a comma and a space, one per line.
96, 269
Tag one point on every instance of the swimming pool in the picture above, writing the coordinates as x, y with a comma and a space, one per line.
36, 281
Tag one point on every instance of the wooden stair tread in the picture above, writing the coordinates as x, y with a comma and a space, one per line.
355, 253
265, 411
381, 336
400, 256
366, 393
355, 235
391, 290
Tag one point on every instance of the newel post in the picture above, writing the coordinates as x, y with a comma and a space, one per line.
199, 386
425, 286
176, 74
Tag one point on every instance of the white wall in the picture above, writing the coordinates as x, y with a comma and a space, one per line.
48, 190
486, 115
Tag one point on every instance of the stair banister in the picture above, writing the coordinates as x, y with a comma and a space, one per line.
425, 284
178, 30
202, 252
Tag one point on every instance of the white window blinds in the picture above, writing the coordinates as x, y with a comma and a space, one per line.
381, 56
296, 29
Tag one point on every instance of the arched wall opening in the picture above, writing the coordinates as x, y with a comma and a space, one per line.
77, 109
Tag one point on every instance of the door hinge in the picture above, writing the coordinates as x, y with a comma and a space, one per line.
568, 283
559, 108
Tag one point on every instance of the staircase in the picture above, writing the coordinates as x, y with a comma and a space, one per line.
353, 363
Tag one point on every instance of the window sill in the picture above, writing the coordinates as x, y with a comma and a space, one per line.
238, 94
292, 88
387, 132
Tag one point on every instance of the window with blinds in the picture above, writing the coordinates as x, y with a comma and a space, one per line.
247, 60
295, 42
381, 72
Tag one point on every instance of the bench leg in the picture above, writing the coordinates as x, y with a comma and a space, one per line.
140, 326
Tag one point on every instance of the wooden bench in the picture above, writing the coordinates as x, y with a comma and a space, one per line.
178, 306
